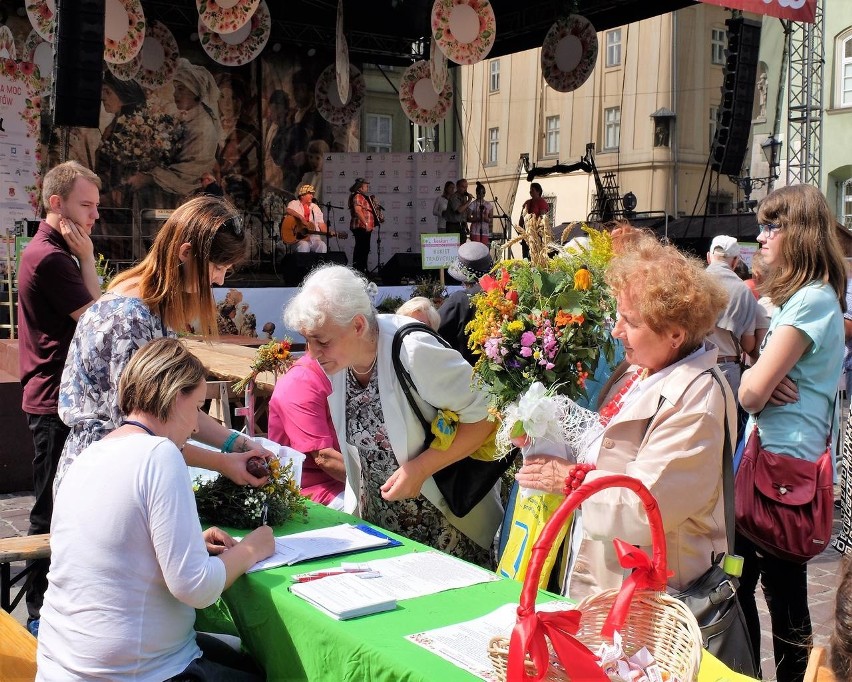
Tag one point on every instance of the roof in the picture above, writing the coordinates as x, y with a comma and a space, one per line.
383, 31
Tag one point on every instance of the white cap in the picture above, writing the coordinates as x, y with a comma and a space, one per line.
727, 245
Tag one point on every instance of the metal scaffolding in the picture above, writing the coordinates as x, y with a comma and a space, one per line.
805, 100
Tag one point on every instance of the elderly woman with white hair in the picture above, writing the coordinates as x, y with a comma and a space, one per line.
196, 97
388, 472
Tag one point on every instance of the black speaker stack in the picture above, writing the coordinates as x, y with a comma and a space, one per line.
78, 63
296, 266
733, 124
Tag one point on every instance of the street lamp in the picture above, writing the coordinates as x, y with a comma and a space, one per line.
771, 148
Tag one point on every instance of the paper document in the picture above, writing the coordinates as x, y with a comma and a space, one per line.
466, 644
347, 596
321, 542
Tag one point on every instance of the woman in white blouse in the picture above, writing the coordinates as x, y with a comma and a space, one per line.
440, 207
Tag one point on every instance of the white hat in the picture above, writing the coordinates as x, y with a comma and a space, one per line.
727, 245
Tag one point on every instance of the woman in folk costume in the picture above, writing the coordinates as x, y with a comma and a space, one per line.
197, 99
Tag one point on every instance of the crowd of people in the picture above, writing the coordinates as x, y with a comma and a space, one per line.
112, 398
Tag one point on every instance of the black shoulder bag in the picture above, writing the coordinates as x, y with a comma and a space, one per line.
464, 483
712, 597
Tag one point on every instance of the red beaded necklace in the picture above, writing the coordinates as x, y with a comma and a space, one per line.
613, 407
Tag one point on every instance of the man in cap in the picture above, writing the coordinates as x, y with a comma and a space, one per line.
311, 221
734, 333
473, 261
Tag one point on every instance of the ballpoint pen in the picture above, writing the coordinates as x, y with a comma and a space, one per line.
264, 512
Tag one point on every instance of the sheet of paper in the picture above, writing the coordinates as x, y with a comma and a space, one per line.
421, 573
349, 597
466, 644
321, 542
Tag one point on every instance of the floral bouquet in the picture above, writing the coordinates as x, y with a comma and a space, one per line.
143, 140
274, 356
224, 503
540, 328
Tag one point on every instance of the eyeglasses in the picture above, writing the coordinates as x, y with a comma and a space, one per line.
769, 229
234, 225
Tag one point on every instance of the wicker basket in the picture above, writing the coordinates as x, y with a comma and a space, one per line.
654, 619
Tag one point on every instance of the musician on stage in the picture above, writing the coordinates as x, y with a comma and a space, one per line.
362, 211
480, 217
310, 217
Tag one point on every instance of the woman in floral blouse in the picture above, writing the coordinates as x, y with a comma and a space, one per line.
160, 296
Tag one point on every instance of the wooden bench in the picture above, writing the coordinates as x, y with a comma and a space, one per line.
22, 548
17, 650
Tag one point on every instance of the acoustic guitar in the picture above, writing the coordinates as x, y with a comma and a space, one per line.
292, 230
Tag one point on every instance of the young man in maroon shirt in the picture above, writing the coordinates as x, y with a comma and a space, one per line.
57, 281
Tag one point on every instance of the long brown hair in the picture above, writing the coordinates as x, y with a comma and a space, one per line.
810, 248
180, 291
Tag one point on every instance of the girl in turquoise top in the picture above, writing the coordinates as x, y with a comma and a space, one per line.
792, 388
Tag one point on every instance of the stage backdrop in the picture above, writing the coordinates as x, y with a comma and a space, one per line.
406, 185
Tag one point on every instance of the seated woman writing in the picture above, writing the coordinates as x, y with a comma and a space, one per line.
664, 418
130, 563
388, 472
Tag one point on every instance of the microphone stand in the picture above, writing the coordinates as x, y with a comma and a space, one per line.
329, 212
377, 227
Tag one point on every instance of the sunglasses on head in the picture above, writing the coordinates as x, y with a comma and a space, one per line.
234, 225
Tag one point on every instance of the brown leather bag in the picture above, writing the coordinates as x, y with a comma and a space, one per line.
784, 505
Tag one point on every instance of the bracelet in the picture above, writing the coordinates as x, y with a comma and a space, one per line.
576, 476
229, 441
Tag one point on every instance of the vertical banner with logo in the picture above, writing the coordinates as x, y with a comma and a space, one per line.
20, 113
405, 185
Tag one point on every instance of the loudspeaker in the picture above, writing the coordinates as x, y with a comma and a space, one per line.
403, 266
296, 266
78, 63
733, 124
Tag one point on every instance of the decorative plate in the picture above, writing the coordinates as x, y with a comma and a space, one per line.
7, 44
328, 100
40, 53
418, 98
124, 30
341, 61
42, 14
464, 29
225, 16
437, 66
127, 71
569, 52
158, 56
241, 46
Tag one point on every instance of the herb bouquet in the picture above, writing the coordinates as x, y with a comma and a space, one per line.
540, 328
222, 502
274, 356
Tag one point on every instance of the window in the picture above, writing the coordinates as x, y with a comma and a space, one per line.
719, 204
493, 144
613, 47
714, 115
612, 128
494, 79
379, 133
844, 70
551, 142
718, 42
847, 204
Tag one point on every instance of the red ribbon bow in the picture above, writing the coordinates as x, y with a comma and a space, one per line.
645, 576
528, 637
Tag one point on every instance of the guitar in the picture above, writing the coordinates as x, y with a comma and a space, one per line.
293, 231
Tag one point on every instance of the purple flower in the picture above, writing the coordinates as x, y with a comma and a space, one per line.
526, 352
527, 339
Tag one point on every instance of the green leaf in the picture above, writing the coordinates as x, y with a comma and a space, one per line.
517, 430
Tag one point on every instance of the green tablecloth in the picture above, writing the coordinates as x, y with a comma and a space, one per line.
293, 640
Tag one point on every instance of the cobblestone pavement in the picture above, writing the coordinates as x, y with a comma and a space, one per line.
823, 575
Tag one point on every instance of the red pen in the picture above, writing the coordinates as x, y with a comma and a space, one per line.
316, 575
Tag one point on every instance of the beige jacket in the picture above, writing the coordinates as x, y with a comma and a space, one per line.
672, 440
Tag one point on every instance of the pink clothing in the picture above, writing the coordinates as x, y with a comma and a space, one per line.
299, 417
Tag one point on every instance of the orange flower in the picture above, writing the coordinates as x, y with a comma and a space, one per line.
563, 318
582, 280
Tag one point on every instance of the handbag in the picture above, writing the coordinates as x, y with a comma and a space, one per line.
466, 482
712, 596
785, 505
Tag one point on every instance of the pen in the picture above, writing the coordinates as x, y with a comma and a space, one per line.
264, 512
316, 575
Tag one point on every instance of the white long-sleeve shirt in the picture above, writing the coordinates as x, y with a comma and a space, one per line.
129, 566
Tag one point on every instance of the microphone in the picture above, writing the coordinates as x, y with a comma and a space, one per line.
314, 201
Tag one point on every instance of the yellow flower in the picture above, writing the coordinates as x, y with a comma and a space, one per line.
582, 280
515, 326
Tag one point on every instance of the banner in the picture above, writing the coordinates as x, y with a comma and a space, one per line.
795, 10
